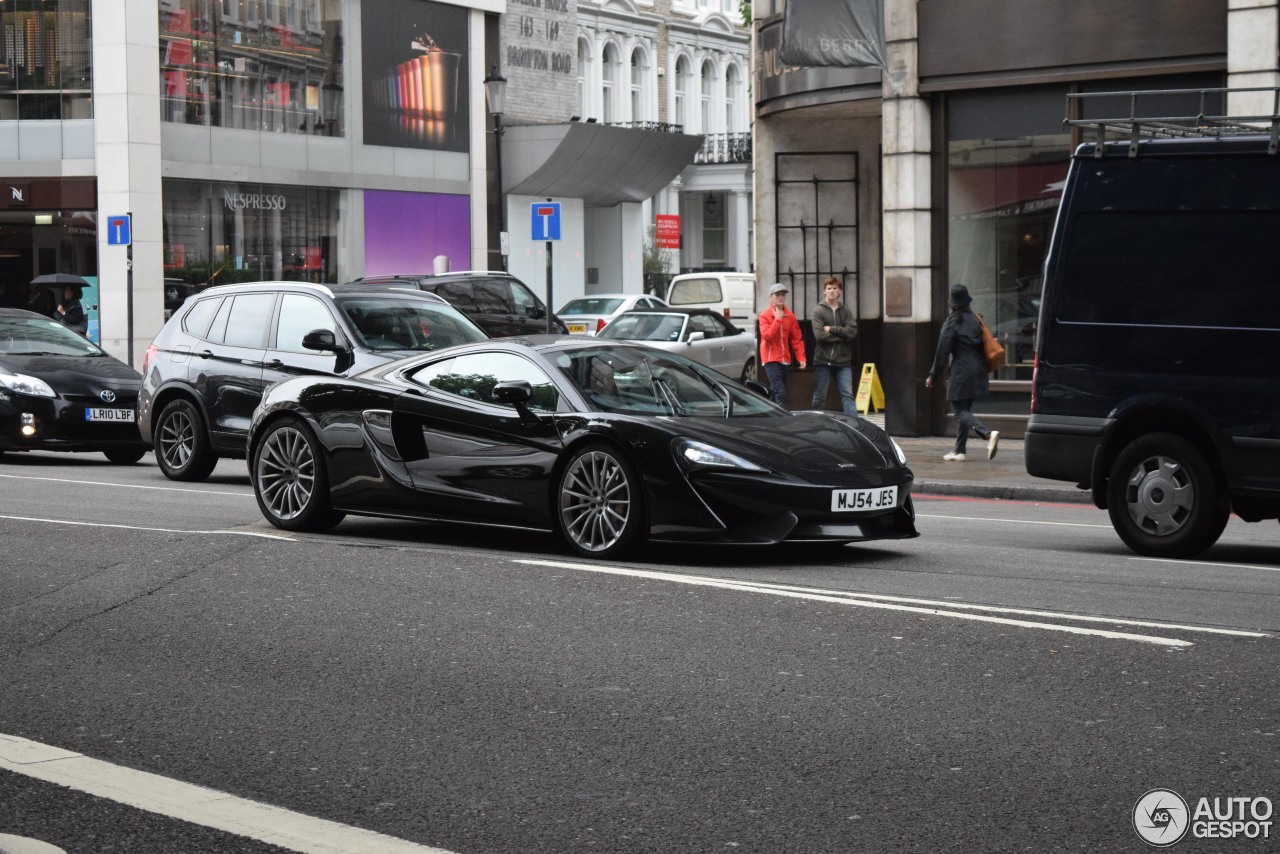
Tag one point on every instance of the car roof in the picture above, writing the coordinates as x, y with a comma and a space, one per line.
455, 276
22, 313
676, 310
331, 290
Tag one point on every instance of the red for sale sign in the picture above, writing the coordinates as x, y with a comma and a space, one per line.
667, 233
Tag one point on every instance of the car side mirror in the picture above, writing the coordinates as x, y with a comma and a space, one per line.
322, 339
696, 336
513, 392
759, 388
536, 312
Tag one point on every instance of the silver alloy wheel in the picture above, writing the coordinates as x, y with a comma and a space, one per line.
286, 472
1160, 496
595, 501
176, 439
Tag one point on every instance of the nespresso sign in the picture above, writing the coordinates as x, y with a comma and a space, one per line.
253, 201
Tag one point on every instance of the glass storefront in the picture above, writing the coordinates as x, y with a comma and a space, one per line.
1007, 158
217, 233
46, 59
265, 65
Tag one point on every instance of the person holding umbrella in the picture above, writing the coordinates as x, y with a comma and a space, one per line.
70, 313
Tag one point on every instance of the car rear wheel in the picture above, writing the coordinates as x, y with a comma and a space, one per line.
599, 505
290, 479
1163, 497
182, 443
750, 371
125, 456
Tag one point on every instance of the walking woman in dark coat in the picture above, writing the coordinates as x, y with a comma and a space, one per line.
961, 342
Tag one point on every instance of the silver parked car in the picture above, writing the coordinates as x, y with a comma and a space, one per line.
695, 333
588, 315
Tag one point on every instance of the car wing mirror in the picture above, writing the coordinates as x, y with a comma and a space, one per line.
696, 336
513, 392
322, 339
759, 388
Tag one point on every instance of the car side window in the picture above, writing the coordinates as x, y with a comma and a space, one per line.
219, 327
525, 302
706, 325
300, 314
250, 317
197, 320
459, 294
474, 375
493, 297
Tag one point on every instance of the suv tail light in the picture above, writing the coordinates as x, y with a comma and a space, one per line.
146, 360
1035, 370
601, 324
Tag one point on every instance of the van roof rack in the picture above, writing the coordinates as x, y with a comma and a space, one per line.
1206, 124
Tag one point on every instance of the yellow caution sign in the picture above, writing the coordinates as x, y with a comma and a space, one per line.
870, 397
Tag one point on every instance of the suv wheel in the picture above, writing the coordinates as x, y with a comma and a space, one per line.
182, 443
1164, 499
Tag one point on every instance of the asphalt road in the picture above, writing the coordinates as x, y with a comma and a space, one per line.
1014, 680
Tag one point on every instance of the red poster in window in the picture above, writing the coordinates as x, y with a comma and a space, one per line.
278, 94
175, 84
311, 257
178, 52
667, 232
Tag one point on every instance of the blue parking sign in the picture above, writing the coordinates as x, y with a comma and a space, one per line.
546, 220
118, 231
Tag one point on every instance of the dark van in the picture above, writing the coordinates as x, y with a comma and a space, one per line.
1157, 365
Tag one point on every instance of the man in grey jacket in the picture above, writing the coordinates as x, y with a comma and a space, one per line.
833, 331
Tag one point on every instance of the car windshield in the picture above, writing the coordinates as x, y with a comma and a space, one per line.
388, 323
642, 381
592, 305
645, 327
42, 336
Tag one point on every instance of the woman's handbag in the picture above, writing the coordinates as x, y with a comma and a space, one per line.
991, 348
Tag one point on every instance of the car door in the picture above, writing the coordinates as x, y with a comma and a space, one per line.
226, 367
711, 350
286, 357
482, 460
531, 315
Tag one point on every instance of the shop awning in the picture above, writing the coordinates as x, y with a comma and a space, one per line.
600, 164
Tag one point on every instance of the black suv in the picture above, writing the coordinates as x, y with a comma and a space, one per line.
205, 372
1159, 336
498, 302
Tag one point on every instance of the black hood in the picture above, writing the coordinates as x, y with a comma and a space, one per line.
76, 374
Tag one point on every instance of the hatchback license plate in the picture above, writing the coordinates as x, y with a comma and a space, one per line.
577, 327
108, 415
843, 500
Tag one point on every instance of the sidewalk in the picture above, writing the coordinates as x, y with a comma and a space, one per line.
1003, 477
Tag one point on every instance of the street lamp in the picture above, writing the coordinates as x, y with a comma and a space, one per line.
495, 91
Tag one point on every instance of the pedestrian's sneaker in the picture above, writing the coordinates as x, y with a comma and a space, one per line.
953, 457
993, 443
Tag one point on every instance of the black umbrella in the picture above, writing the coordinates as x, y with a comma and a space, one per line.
60, 279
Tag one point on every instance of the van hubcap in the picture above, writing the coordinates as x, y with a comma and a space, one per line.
1160, 496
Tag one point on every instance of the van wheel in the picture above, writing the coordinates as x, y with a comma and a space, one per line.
1163, 498
750, 371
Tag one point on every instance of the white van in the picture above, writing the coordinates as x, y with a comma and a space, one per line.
730, 294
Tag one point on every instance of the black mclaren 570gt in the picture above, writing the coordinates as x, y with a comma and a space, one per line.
605, 442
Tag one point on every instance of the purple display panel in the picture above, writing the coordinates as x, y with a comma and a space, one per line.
404, 232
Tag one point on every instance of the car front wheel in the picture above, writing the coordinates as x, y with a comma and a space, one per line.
182, 443
599, 504
290, 479
1163, 497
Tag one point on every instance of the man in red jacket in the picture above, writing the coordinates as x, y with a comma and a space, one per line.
780, 342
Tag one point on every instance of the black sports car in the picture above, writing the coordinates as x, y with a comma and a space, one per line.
605, 442
61, 392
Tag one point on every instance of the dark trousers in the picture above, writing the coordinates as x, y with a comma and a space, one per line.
777, 374
844, 382
966, 421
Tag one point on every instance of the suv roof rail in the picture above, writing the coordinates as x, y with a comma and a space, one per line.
230, 285
1208, 123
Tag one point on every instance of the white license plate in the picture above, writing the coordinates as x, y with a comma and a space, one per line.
843, 500
577, 327
109, 415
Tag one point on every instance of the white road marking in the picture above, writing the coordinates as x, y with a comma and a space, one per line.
1207, 563
144, 528
196, 804
845, 599
1011, 521
125, 485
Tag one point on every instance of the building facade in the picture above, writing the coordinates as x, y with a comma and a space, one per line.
947, 164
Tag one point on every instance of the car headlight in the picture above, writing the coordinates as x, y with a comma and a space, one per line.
23, 384
691, 454
902, 458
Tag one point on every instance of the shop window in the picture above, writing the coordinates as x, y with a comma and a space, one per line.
46, 59
272, 65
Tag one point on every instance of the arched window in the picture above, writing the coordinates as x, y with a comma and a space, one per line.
609, 81
731, 99
584, 54
637, 91
707, 76
682, 92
